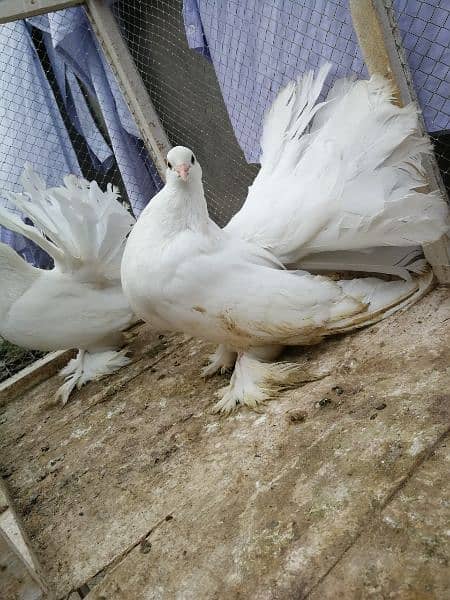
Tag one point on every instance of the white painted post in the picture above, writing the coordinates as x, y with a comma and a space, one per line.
380, 42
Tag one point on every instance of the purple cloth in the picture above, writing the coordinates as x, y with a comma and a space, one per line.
75, 53
31, 128
257, 47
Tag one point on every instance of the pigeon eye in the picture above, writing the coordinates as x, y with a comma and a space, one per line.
193, 160
169, 165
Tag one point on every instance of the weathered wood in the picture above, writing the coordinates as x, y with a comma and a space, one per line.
30, 376
381, 45
11, 10
130, 82
21, 575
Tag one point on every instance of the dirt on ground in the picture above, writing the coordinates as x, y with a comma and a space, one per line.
336, 489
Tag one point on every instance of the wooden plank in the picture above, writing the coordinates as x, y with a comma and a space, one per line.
30, 376
130, 82
11, 10
381, 45
21, 575
17, 579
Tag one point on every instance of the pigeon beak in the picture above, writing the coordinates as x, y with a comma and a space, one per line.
183, 171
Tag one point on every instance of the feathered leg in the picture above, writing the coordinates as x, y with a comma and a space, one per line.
71, 373
222, 359
255, 380
89, 366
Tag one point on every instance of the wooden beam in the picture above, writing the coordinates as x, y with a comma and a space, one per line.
381, 45
12, 10
130, 82
21, 575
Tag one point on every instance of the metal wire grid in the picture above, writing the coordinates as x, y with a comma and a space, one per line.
427, 48
53, 117
188, 92
186, 95
13, 359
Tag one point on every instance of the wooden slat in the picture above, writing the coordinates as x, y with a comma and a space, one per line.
130, 82
11, 10
21, 575
381, 45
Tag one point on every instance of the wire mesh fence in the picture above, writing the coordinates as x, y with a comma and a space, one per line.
62, 112
425, 26
211, 96
14, 359
211, 70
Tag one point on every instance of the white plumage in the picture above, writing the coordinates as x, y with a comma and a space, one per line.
337, 180
79, 303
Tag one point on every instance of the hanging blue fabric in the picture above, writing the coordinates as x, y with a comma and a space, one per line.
256, 47
31, 128
75, 53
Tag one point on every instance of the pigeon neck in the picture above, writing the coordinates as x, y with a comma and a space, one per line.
188, 205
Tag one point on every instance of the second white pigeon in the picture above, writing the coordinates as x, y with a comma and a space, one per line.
79, 303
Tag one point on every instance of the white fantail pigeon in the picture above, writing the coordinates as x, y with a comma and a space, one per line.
79, 303
338, 179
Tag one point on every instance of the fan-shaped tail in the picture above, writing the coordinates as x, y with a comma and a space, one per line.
341, 175
79, 225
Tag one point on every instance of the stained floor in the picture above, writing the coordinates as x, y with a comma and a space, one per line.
337, 489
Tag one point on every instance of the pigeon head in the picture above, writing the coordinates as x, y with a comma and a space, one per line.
182, 166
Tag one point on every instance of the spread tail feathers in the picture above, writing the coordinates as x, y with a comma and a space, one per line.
89, 366
79, 225
340, 175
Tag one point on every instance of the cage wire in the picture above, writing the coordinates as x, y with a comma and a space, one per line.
426, 44
62, 112
66, 113
216, 106
195, 100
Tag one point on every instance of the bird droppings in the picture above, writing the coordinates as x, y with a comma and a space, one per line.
145, 547
323, 402
276, 511
297, 416
337, 390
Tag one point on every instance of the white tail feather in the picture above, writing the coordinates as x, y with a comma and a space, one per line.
79, 225
349, 183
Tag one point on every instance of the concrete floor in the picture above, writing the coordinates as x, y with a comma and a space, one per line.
338, 489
